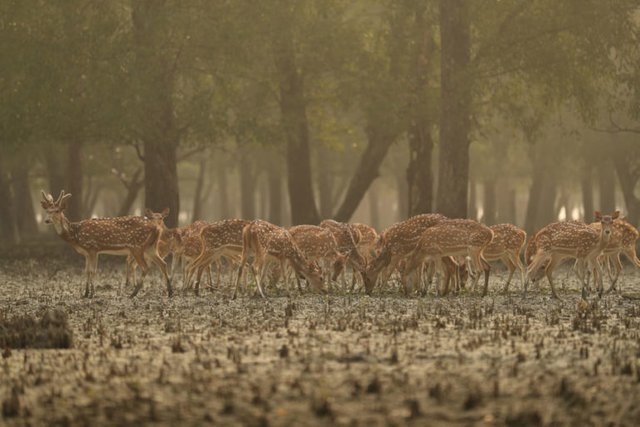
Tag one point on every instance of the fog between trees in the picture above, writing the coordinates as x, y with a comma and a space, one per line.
294, 111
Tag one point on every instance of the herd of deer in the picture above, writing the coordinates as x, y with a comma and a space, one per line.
452, 249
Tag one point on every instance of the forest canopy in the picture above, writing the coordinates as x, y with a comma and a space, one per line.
300, 110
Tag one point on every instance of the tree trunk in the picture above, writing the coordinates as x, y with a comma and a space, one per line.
198, 199
472, 205
455, 110
626, 160
419, 177
546, 210
274, 179
607, 187
379, 141
25, 214
489, 202
402, 193
74, 180
133, 189
294, 122
535, 194
325, 182
247, 184
55, 162
374, 208
587, 193
155, 72
224, 206
8, 223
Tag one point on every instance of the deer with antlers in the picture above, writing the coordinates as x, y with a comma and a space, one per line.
571, 239
508, 241
396, 243
452, 238
128, 235
268, 242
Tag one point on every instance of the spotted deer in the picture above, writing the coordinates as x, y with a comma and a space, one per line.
318, 244
368, 241
396, 243
268, 242
347, 238
506, 246
452, 238
622, 242
217, 239
571, 239
169, 242
127, 235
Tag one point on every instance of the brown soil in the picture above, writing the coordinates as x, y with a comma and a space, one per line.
313, 360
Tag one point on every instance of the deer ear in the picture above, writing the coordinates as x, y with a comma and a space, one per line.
615, 215
165, 212
148, 213
598, 216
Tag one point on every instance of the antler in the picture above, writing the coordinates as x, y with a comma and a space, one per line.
47, 200
60, 198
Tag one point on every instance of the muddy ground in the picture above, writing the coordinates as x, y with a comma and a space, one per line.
313, 360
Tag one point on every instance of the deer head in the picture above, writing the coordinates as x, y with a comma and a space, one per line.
55, 209
607, 222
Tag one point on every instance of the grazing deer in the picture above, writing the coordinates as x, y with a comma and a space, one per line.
368, 241
218, 239
452, 238
622, 241
270, 242
570, 239
128, 235
508, 241
318, 244
347, 238
396, 243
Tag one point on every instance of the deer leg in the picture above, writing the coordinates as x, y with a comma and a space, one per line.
549, 271
87, 271
139, 257
157, 260
506, 260
94, 271
618, 267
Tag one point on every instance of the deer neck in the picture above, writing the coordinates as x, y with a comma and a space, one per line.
604, 239
64, 229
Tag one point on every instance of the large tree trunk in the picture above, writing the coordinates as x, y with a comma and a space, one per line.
155, 72
247, 185
402, 192
8, 225
419, 178
74, 180
325, 182
274, 179
56, 163
455, 109
587, 192
374, 208
294, 122
626, 159
198, 196
607, 187
224, 207
25, 214
472, 204
379, 141
489, 202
